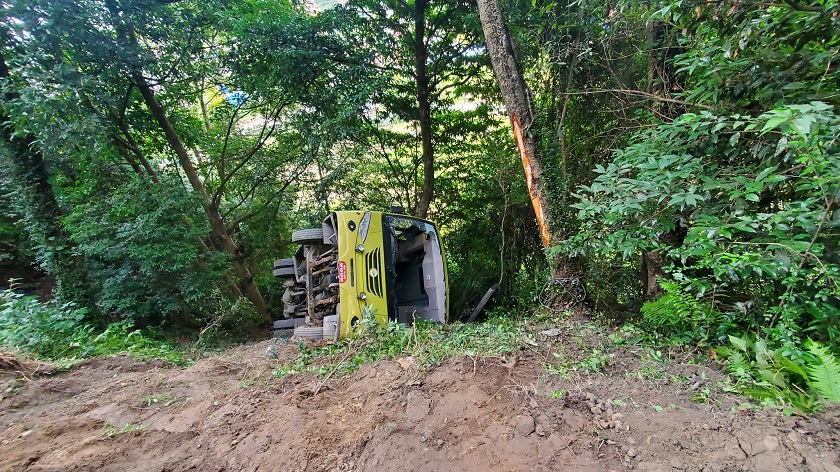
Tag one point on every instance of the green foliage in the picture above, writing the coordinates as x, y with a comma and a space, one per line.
596, 361
488, 228
424, 344
59, 333
112, 431
330, 121
15, 251
582, 62
759, 242
773, 378
143, 248
703, 137
738, 194
824, 376
681, 315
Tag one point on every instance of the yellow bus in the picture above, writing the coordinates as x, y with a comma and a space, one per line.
390, 264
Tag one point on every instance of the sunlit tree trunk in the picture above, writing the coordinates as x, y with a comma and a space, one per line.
518, 105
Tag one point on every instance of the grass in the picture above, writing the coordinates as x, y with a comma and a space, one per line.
111, 431
164, 400
428, 344
595, 362
577, 350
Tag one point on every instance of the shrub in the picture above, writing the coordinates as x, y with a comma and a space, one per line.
773, 378
680, 314
143, 250
58, 332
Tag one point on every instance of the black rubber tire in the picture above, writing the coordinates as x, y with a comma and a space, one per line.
307, 236
278, 263
284, 272
316, 332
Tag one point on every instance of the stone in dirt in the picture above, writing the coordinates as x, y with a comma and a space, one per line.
407, 363
417, 406
525, 425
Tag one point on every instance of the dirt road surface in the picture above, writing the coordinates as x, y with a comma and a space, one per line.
523, 412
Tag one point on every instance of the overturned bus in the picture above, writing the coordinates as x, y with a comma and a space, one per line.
388, 264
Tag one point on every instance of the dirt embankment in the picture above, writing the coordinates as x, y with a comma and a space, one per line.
525, 412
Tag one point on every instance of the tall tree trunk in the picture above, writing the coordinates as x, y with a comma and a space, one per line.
424, 109
220, 230
59, 257
518, 105
211, 207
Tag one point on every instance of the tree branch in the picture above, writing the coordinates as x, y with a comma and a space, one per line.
642, 94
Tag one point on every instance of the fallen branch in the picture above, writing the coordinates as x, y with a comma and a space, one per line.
327, 377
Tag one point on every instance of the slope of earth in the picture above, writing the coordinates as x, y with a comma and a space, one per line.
570, 400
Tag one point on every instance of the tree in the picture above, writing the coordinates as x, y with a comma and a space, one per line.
125, 61
31, 176
518, 105
418, 69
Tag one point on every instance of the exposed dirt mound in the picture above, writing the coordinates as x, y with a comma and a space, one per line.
12, 365
525, 412
9, 361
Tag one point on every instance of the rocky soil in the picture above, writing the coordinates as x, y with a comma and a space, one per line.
571, 402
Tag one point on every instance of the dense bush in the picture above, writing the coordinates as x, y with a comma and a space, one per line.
738, 198
758, 240
143, 246
58, 332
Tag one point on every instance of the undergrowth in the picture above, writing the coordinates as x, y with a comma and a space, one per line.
799, 378
682, 317
424, 343
798, 385
59, 333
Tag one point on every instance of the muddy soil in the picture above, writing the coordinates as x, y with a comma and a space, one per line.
571, 402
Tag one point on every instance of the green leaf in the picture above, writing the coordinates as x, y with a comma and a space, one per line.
825, 376
765, 172
802, 124
773, 123
741, 344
